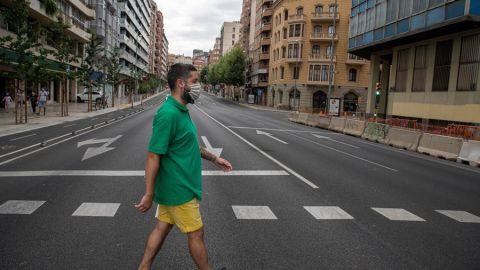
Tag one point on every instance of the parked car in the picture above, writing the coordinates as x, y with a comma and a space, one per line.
96, 95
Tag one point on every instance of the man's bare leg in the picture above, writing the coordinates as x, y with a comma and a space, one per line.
197, 248
154, 243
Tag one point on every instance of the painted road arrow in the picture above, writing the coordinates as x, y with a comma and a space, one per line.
95, 151
216, 151
270, 136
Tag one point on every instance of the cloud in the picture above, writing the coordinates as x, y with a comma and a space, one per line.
194, 24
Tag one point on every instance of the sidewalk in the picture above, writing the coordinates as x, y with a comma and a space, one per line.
253, 106
76, 111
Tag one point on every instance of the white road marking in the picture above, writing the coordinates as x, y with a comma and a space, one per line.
253, 212
70, 125
94, 119
19, 138
397, 214
5, 174
270, 136
216, 151
327, 212
330, 139
95, 151
97, 210
284, 130
460, 216
303, 179
345, 153
20, 207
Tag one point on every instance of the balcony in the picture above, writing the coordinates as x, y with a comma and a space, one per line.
82, 7
322, 37
324, 17
324, 83
323, 58
267, 12
294, 60
265, 56
265, 41
296, 19
266, 27
355, 60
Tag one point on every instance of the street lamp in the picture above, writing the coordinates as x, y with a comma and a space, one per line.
332, 50
295, 77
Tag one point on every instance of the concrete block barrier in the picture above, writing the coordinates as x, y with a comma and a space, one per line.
403, 138
323, 122
302, 118
440, 146
470, 153
375, 132
312, 120
354, 127
293, 117
337, 124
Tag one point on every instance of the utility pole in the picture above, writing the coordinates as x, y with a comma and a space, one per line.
332, 53
295, 77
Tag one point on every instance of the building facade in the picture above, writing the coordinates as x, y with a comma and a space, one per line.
425, 54
245, 19
229, 36
78, 15
160, 53
215, 54
309, 59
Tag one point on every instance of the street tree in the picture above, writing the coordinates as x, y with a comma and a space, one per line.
113, 70
91, 64
204, 75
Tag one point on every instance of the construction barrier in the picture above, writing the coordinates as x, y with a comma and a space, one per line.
440, 146
312, 120
375, 132
323, 122
293, 117
337, 124
302, 118
403, 138
470, 153
354, 127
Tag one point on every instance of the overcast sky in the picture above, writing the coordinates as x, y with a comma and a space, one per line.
194, 24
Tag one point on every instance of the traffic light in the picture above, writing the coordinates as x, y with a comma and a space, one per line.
378, 88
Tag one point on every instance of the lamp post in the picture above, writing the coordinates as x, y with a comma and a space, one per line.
332, 50
295, 77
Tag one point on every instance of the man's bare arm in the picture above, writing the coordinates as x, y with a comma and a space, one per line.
151, 170
207, 155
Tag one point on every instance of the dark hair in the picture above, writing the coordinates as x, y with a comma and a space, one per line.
178, 71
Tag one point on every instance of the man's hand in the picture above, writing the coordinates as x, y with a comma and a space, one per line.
145, 204
223, 164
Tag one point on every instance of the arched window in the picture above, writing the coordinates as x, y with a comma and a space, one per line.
316, 49
299, 11
352, 75
317, 30
318, 9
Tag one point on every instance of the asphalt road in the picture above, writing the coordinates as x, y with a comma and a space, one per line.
299, 198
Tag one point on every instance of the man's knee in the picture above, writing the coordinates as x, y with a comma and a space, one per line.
196, 235
163, 226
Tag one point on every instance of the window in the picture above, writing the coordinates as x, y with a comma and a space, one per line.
329, 51
469, 63
404, 8
284, 33
285, 15
318, 10
282, 73
300, 11
295, 50
420, 68
317, 30
402, 70
324, 77
331, 30
233, 29
233, 36
443, 60
233, 42
284, 52
419, 5
316, 49
314, 73
332, 9
352, 75
296, 73
296, 30
392, 10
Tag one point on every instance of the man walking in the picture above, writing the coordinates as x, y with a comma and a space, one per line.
42, 101
173, 171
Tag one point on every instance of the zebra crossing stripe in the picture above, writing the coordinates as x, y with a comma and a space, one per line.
460, 216
397, 214
253, 212
97, 210
20, 207
327, 212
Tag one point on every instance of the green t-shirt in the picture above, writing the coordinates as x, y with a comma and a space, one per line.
174, 138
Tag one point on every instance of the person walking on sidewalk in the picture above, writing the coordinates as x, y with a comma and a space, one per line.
7, 100
42, 101
173, 170
33, 101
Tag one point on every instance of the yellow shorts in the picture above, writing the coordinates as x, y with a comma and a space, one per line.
186, 216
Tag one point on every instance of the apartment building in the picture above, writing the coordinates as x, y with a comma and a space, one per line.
229, 36
425, 54
245, 19
215, 54
308, 38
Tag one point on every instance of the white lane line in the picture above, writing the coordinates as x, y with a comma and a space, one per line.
51, 145
303, 179
20, 207
131, 173
70, 125
270, 136
345, 153
397, 214
327, 212
253, 212
330, 139
96, 210
32, 146
94, 119
460, 216
19, 138
283, 130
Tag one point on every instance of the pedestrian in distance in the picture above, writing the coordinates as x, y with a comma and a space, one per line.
173, 171
7, 100
42, 101
33, 101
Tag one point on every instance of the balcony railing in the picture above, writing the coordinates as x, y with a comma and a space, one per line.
296, 18
324, 16
322, 36
314, 57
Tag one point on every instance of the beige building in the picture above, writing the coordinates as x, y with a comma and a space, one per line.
229, 36
426, 56
215, 54
245, 19
78, 15
301, 53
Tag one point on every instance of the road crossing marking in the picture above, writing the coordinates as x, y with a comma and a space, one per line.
253, 212
327, 212
141, 173
460, 216
397, 214
20, 207
97, 210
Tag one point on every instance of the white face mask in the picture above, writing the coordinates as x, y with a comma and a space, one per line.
192, 93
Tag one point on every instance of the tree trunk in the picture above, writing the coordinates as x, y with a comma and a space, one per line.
113, 95
89, 97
